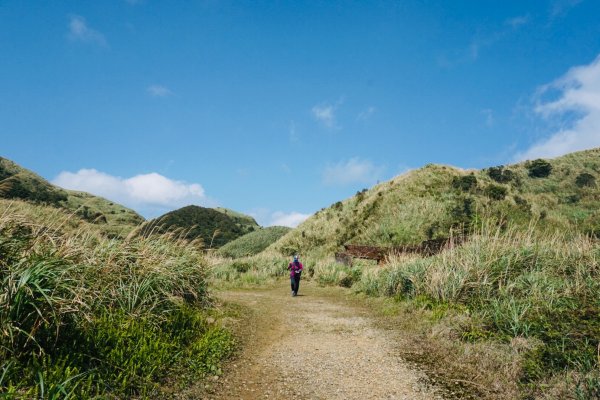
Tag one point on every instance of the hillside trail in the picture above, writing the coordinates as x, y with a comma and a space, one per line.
314, 346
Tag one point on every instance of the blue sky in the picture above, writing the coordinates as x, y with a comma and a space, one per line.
278, 109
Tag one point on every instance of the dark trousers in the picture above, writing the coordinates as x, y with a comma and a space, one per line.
295, 281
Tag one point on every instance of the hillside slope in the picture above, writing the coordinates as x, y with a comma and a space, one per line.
214, 228
254, 242
245, 222
20, 183
436, 201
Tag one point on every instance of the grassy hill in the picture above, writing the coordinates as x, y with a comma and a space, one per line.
19, 183
254, 242
436, 201
514, 309
245, 222
215, 228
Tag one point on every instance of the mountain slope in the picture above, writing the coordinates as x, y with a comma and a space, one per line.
20, 183
254, 242
245, 222
436, 201
215, 228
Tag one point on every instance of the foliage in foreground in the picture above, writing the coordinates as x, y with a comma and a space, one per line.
82, 316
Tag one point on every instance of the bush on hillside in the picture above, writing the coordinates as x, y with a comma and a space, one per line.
585, 180
539, 168
500, 174
495, 192
360, 195
465, 183
462, 215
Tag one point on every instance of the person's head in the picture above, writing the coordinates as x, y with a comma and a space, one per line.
296, 257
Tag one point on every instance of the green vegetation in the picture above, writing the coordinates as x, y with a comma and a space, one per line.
522, 290
539, 168
19, 183
246, 223
254, 242
500, 174
441, 201
85, 316
214, 228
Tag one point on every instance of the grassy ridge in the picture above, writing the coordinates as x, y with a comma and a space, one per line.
434, 201
20, 183
84, 316
254, 242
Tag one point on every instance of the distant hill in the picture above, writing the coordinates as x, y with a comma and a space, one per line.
254, 242
214, 227
245, 222
17, 182
435, 201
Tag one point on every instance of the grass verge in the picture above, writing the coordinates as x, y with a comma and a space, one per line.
83, 316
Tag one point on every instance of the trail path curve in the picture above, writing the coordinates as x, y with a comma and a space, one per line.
315, 346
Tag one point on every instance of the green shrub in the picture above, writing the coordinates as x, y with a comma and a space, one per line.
465, 183
585, 180
496, 192
500, 174
539, 168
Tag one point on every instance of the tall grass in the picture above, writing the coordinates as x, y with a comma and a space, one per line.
82, 315
514, 284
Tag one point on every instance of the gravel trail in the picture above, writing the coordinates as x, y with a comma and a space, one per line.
314, 346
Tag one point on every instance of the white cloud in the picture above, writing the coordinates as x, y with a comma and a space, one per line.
292, 219
158, 91
325, 114
366, 114
79, 31
266, 217
140, 191
577, 108
352, 171
517, 21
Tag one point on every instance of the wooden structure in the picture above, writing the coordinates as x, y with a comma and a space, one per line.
426, 248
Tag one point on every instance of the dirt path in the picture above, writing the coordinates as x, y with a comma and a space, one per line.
315, 346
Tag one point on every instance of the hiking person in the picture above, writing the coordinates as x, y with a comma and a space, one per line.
295, 268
